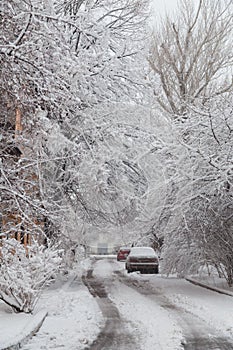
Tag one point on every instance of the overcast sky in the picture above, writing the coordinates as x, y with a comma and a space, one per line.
163, 6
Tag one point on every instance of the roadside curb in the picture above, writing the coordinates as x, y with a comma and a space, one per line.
28, 331
218, 290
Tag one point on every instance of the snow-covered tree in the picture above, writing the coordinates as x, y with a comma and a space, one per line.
64, 59
204, 230
105, 69
191, 54
191, 69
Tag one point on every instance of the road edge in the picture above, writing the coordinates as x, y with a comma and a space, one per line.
29, 331
214, 289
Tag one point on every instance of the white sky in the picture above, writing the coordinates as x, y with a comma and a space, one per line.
163, 6
159, 8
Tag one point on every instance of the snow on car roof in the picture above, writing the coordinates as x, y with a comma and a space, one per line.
142, 251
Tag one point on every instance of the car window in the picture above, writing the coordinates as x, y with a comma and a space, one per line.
142, 251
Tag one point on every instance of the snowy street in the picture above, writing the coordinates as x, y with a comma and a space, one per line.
116, 175
134, 311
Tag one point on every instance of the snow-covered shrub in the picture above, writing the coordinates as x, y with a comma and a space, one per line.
24, 272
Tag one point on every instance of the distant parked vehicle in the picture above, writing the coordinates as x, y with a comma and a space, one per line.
143, 259
122, 254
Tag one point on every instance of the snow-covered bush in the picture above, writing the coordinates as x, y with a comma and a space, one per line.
24, 272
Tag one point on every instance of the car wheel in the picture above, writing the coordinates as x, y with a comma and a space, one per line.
129, 270
156, 270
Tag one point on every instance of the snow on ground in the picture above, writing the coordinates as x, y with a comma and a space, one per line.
74, 318
151, 323
154, 325
214, 308
10, 328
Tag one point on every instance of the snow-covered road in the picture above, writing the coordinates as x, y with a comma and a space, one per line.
133, 311
161, 313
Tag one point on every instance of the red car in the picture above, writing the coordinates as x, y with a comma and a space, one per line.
123, 253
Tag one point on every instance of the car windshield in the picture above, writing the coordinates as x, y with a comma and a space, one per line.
142, 251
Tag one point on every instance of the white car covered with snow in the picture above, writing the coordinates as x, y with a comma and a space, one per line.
143, 259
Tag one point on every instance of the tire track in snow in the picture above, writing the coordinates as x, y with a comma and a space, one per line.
197, 334
114, 335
